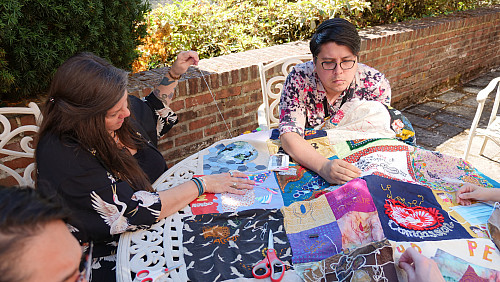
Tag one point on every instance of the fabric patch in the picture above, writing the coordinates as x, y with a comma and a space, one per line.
444, 173
305, 215
352, 196
265, 195
316, 243
392, 165
360, 228
317, 138
343, 149
456, 269
410, 212
373, 262
401, 126
300, 187
226, 246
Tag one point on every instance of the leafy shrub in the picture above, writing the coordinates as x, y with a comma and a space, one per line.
218, 27
37, 36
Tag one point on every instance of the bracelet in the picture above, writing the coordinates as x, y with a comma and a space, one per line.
203, 184
199, 185
174, 77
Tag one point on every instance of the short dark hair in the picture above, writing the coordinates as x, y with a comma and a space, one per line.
23, 213
335, 30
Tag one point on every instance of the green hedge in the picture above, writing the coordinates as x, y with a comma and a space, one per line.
37, 36
218, 27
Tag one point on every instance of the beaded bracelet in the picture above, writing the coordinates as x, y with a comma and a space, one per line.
199, 185
174, 77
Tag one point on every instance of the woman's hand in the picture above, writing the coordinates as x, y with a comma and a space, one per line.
469, 192
339, 171
183, 61
418, 267
234, 182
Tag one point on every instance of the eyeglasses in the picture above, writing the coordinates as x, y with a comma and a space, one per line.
85, 265
345, 65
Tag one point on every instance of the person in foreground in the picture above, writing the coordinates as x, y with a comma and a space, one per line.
315, 90
35, 243
97, 151
418, 267
469, 192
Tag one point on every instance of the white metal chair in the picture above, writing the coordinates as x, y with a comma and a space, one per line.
271, 88
10, 135
492, 131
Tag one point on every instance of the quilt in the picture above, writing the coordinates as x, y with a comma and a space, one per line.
404, 198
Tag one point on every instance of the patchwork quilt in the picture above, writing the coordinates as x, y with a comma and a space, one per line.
357, 231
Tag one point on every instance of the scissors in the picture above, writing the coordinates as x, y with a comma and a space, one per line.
271, 265
150, 276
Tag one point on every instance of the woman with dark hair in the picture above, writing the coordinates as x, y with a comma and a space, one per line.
315, 91
97, 150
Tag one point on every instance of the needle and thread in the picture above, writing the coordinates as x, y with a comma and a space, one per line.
217, 105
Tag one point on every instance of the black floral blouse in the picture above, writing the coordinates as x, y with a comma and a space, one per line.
103, 206
301, 104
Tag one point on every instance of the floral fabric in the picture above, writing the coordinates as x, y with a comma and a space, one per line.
301, 104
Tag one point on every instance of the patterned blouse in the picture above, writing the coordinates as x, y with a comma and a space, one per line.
102, 205
302, 106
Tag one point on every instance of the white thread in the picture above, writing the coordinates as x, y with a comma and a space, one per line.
217, 105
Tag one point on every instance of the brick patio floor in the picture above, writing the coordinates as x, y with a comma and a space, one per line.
443, 124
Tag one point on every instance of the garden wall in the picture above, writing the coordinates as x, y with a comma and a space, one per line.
420, 58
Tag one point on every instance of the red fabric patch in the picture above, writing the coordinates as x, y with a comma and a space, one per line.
414, 218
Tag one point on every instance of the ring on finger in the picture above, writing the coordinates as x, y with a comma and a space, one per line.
234, 185
231, 174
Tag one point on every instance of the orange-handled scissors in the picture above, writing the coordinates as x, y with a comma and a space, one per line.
150, 276
271, 265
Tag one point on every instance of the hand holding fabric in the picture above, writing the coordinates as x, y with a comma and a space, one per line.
469, 192
418, 267
339, 171
235, 183
183, 61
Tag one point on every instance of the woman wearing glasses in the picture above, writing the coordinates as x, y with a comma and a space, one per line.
316, 90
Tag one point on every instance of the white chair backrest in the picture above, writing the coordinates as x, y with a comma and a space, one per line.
273, 85
16, 142
492, 130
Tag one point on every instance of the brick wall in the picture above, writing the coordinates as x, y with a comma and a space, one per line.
420, 58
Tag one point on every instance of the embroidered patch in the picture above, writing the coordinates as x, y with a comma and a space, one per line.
414, 218
356, 144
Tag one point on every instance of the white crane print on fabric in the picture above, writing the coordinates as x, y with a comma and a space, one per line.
110, 213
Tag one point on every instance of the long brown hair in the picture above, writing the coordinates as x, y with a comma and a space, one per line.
83, 89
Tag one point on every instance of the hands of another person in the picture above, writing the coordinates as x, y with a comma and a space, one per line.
418, 267
224, 182
469, 192
183, 61
339, 171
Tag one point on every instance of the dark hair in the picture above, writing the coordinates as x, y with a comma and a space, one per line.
335, 30
83, 89
23, 213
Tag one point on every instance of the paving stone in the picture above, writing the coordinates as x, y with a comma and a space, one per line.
461, 111
425, 108
450, 96
473, 90
419, 121
481, 82
428, 139
449, 130
450, 119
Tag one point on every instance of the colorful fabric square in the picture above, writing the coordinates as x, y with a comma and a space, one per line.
401, 126
442, 172
316, 243
238, 155
317, 138
392, 165
352, 196
225, 246
305, 215
308, 134
454, 268
410, 212
265, 195
373, 262
301, 186
354, 149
